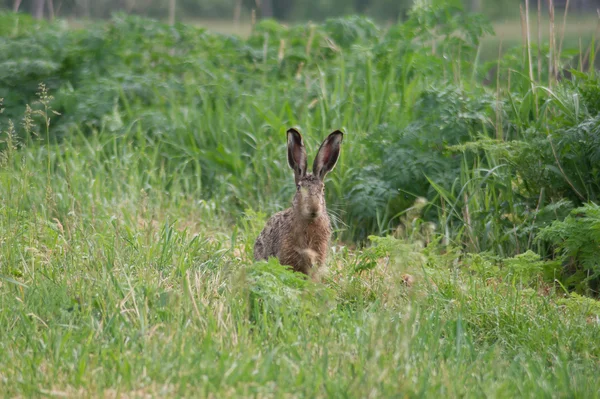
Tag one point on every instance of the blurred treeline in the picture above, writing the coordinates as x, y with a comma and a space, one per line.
384, 10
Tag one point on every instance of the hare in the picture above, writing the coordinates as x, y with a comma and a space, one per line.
299, 236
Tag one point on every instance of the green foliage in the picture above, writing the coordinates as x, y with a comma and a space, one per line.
577, 240
178, 86
114, 278
14, 25
495, 165
279, 295
526, 270
588, 87
577, 304
528, 266
387, 247
534, 172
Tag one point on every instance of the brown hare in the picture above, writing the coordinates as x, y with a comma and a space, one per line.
299, 236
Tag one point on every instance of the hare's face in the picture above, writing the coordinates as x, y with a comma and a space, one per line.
309, 201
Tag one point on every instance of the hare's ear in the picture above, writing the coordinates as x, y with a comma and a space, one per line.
296, 154
328, 154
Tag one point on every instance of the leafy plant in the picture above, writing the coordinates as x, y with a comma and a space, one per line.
577, 242
206, 113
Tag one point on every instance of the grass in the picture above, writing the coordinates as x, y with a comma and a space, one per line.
107, 289
126, 254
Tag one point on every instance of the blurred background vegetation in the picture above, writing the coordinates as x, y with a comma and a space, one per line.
288, 10
238, 16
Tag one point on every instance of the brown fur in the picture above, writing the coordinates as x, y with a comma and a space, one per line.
299, 236
303, 246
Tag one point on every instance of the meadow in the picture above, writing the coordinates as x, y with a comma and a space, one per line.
139, 161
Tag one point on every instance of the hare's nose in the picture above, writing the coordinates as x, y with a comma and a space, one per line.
314, 212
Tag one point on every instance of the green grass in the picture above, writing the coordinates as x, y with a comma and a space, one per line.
127, 223
107, 290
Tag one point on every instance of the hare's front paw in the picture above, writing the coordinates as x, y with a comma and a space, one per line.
309, 256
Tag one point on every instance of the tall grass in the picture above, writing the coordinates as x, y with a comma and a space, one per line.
207, 110
135, 179
107, 289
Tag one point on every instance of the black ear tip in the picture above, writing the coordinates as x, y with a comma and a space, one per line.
294, 134
337, 133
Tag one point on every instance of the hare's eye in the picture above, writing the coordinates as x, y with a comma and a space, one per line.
297, 187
